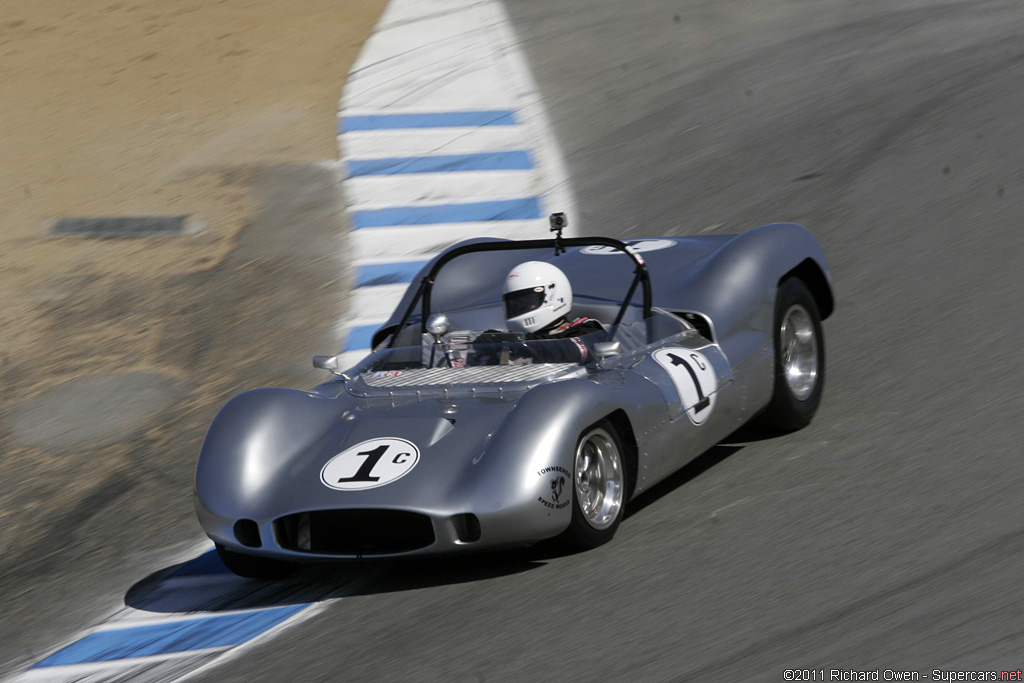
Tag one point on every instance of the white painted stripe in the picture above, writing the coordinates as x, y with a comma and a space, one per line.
423, 242
375, 304
413, 10
382, 191
443, 73
388, 258
466, 204
147, 620
429, 62
429, 141
350, 359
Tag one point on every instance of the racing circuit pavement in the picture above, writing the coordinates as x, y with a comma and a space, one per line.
887, 535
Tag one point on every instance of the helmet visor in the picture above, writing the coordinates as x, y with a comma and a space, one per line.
522, 301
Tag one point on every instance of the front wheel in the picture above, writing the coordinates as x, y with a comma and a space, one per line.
253, 567
599, 487
799, 359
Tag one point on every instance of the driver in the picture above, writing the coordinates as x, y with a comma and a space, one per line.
538, 298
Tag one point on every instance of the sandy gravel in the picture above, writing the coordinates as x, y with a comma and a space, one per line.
159, 107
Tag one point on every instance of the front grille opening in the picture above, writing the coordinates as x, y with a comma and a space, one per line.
248, 533
354, 532
467, 528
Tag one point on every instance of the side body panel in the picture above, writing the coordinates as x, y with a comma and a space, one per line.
495, 457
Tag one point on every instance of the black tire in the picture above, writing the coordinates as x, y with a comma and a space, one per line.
254, 567
793, 408
583, 533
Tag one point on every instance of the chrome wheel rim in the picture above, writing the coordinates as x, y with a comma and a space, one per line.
599, 478
799, 352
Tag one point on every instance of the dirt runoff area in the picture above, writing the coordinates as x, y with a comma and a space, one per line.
116, 353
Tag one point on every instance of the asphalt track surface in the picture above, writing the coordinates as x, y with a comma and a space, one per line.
888, 534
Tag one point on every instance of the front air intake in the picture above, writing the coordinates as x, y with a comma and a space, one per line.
354, 532
248, 533
467, 528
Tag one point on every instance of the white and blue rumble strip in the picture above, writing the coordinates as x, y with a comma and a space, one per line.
179, 627
442, 138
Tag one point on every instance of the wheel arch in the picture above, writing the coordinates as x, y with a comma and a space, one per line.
812, 275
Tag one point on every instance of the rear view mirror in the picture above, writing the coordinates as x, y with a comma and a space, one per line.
326, 363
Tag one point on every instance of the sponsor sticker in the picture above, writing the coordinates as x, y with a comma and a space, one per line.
370, 464
558, 494
694, 378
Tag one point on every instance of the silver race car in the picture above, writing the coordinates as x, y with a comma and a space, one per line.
474, 426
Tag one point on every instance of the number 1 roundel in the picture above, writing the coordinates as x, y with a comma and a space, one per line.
695, 380
370, 464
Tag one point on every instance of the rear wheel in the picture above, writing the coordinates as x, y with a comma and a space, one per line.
253, 567
599, 487
799, 359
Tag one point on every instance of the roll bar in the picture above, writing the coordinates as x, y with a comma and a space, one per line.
422, 296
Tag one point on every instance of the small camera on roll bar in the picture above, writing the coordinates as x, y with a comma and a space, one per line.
557, 221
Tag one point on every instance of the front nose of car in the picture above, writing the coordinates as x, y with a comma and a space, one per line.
275, 478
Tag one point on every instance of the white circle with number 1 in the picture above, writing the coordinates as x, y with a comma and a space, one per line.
695, 380
370, 464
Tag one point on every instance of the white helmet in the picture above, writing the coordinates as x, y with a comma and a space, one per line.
535, 294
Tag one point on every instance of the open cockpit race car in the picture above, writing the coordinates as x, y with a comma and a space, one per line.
459, 434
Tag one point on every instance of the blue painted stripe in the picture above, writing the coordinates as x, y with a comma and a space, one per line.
443, 119
503, 210
359, 337
518, 160
176, 636
397, 273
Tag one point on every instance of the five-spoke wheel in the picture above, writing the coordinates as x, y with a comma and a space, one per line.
600, 485
799, 359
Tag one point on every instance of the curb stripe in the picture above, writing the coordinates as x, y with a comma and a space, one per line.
372, 274
145, 641
504, 210
518, 160
448, 119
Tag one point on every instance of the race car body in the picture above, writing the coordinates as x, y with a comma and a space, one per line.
457, 435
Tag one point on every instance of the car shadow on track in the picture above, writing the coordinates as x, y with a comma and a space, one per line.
681, 477
746, 434
204, 584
